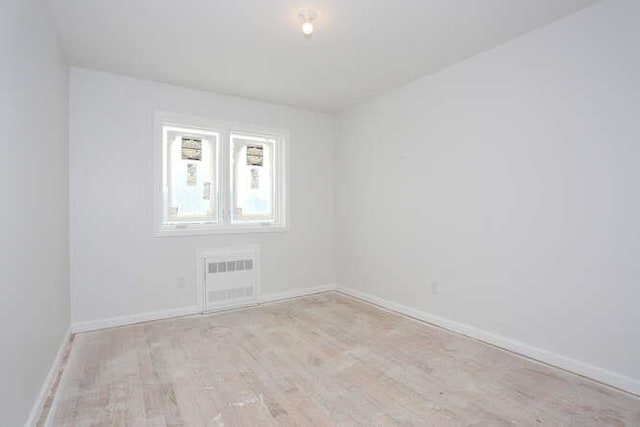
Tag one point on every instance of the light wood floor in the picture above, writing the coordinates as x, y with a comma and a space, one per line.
320, 360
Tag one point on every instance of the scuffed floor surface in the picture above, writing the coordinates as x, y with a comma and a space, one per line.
320, 360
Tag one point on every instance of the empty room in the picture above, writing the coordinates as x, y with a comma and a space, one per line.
320, 213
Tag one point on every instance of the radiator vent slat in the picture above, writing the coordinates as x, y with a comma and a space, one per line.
226, 294
229, 266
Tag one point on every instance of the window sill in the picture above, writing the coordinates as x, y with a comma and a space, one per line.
203, 230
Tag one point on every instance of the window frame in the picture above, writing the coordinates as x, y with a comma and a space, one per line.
224, 166
167, 178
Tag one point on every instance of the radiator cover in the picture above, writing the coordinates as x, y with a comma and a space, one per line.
230, 278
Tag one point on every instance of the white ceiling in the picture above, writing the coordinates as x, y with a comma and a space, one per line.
254, 48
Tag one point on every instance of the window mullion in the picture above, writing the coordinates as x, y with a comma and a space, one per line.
225, 187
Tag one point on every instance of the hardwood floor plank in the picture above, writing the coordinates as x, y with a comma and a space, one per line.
320, 360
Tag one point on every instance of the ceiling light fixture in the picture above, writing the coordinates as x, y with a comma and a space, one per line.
307, 17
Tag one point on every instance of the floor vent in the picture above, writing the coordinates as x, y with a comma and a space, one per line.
230, 278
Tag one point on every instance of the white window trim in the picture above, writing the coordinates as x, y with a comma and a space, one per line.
281, 203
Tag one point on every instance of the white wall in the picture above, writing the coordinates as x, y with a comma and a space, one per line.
117, 267
511, 180
34, 306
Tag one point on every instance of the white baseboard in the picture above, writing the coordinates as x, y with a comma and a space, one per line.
295, 293
94, 325
602, 375
48, 382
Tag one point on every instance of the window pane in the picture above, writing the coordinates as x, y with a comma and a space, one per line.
252, 178
191, 175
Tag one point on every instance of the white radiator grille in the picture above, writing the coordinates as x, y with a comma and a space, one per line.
230, 278
229, 266
226, 294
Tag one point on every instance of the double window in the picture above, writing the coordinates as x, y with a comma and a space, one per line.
216, 177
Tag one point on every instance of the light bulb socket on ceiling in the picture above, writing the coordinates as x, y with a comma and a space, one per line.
307, 17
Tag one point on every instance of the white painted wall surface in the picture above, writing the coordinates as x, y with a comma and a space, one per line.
503, 192
34, 306
118, 267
